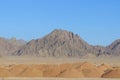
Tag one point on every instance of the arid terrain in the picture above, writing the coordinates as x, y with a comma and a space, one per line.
59, 55
38, 68
57, 79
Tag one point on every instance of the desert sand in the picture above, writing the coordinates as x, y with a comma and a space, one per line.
57, 79
17, 68
70, 68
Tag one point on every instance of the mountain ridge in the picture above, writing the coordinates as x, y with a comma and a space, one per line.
60, 43
8, 46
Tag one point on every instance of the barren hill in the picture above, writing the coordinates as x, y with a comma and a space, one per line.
8, 46
62, 43
114, 48
59, 43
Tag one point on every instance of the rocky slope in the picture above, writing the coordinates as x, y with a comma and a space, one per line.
114, 48
59, 43
8, 46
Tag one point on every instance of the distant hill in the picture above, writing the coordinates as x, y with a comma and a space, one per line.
8, 46
62, 43
59, 43
114, 48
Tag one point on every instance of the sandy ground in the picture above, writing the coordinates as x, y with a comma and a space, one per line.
114, 62
38, 60
55, 79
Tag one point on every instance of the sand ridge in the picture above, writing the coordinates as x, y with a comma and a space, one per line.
65, 70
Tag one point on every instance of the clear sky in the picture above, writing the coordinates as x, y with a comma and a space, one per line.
96, 21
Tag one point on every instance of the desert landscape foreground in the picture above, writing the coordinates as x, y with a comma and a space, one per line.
68, 70
17, 68
57, 79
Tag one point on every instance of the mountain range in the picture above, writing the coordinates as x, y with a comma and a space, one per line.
59, 43
9, 46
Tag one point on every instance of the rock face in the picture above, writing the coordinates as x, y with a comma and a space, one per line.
114, 48
59, 43
8, 46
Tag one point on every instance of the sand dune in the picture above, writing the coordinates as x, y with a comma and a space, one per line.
37, 78
4, 72
104, 67
112, 74
66, 70
71, 73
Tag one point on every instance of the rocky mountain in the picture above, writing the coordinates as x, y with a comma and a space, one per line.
114, 48
59, 43
8, 46
16, 42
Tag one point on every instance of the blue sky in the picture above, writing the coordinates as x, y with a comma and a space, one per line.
96, 21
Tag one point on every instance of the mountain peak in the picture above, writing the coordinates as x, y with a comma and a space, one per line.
114, 48
8, 46
63, 34
115, 44
59, 43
